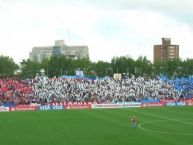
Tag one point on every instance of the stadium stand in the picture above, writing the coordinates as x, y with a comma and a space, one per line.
106, 90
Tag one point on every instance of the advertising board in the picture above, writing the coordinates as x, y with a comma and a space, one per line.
117, 105
23, 108
4, 109
78, 106
156, 104
50, 107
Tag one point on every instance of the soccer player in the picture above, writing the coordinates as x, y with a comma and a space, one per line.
133, 122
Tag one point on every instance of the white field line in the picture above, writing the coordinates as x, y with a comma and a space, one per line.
163, 119
157, 131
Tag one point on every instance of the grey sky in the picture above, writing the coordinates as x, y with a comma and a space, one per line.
109, 27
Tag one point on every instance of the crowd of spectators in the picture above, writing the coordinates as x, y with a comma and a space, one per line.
14, 90
182, 85
104, 90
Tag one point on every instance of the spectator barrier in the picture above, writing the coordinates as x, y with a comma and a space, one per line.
76, 105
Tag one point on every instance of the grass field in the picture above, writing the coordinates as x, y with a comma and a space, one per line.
156, 126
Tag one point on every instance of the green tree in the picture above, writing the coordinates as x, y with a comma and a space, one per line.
7, 66
123, 64
187, 67
157, 67
30, 68
83, 64
143, 66
103, 68
171, 66
55, 66
60, 65
44, 65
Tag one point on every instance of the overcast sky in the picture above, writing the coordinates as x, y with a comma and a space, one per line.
108, 27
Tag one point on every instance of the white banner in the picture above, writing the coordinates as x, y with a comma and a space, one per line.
4, 109
79, 73
117, 105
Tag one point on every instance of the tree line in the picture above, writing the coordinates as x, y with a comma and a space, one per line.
7, 66
60, 65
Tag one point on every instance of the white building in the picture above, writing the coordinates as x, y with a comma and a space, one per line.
60, 48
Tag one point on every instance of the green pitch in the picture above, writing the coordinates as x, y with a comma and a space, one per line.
156, 126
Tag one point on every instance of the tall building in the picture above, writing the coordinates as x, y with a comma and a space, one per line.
166, 50
60, 48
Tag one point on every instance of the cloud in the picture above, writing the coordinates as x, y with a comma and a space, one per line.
110, 28
155, 5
